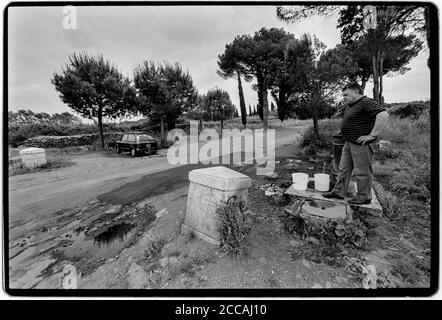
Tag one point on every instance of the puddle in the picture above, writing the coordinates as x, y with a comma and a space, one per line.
321, 204
103, 246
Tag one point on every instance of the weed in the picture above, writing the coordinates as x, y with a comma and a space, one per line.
154, 248
388, 201
233, 227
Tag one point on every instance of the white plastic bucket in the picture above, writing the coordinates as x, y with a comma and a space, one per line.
300, 181
322, 181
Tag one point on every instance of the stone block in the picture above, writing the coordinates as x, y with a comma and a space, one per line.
33, 157
209, 189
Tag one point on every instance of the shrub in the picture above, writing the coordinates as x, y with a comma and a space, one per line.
413, 109
313, 142
414, 180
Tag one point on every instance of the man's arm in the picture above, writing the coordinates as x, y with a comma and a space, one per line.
379, 125
381, 122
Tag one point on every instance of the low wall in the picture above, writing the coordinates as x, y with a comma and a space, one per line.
71, 141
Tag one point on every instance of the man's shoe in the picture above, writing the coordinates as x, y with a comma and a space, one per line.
356, 201
331, 194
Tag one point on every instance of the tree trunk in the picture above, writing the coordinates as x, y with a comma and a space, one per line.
242, 103
265, 111
100, 126
282, 105
315, 124
374, 61
163, 133
363, 84
427, 24
260, 107
381, 89
315, 118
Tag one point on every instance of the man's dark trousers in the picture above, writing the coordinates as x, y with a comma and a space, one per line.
360, 159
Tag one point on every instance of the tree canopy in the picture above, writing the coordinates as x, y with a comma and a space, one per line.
164, 91
94, 88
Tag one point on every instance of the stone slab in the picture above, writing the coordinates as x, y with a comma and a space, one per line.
325, 209
317, 195
33, 157
221, 178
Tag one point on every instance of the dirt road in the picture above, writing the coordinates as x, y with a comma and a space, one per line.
35, 197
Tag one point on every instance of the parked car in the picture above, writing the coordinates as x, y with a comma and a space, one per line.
136, 143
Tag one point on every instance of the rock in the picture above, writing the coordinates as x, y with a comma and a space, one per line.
316, 286
375, 258
306, 263
160, 213
383, 144
312, 240
92, 202
114, 209
272, 176
294, 243
137, 278
291, 166
164, 261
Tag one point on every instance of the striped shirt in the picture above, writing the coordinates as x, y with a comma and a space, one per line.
359, 119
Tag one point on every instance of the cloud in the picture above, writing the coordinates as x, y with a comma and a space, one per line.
191, 35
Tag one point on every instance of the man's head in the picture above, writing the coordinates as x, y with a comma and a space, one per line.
351, 93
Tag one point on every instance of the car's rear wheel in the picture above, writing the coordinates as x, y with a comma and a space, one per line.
118, 150
133, 152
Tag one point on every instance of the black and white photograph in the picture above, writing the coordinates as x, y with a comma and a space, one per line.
200, 148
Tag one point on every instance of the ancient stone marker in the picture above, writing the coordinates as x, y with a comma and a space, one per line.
33, 157
210, 188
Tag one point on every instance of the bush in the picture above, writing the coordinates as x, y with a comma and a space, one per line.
313, 142
414, 180
19, 133
413, 109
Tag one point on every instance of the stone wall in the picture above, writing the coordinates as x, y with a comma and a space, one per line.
72, 141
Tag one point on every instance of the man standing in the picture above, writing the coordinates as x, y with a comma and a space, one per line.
363, 120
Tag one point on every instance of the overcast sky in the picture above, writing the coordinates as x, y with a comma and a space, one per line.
192, 36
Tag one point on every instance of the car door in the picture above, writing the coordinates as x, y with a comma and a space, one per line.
123, 143
130, 141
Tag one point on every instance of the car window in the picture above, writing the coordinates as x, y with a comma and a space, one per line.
124, 138
144, 137
131, 137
